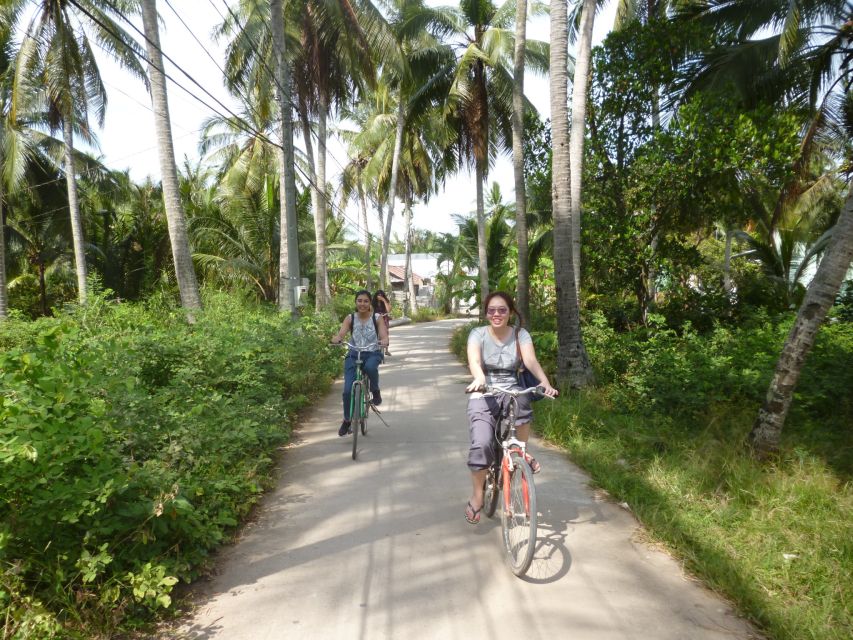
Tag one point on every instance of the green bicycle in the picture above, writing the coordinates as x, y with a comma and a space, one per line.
360, 398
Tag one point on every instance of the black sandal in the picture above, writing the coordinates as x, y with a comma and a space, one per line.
474, 518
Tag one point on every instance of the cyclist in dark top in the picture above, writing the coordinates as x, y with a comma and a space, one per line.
364, 329
493, 358
382, 306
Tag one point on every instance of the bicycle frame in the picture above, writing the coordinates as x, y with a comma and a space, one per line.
508, 440
359, 379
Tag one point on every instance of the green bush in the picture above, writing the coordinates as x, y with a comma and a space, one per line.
132, 444
427, 314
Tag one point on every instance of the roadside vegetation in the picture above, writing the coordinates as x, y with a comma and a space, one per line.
132, 444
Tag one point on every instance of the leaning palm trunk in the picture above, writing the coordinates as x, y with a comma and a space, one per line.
392, 190
362, 202
522, 298
74, 211
410, 279
572, 362
482, 256
4, 300
819, 298
323, 295
727, 262
579, 93
184, 271
317, 205
288, 263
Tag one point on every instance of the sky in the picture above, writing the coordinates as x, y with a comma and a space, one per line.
127, 140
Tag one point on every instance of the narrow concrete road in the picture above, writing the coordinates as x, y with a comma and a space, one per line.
379, 548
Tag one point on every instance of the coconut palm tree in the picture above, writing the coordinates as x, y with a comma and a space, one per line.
573, 365
481, 94
56, 59
416, 68
522, 296
797, 52
333, 61
184, 270
578, 128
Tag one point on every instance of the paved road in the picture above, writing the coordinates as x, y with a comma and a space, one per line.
379, 548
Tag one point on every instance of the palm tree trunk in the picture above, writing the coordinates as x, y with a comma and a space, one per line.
4, 299
579, 93
324, 296
362, 202
392, 190
74, 211
767, 429
410, 280
522, 297
319, 217
572, 362
482, 256
42, 288
181, 254
288, 263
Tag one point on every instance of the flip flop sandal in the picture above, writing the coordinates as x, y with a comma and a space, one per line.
535, 467
474, 518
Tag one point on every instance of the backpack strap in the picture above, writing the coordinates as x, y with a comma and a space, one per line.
518, 351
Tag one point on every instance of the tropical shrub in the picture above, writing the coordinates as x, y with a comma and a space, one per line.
132, 445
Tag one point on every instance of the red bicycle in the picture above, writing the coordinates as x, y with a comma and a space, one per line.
512, 476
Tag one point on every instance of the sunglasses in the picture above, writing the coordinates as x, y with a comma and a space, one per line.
497, 311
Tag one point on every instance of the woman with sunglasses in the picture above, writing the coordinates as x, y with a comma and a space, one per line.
493, 358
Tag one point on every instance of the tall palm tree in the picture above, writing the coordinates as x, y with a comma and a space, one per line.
184, 270
481, 95
416, 65
578, 128
289, 241
9, 171
573, 365
522, 296
797, 52
56, 58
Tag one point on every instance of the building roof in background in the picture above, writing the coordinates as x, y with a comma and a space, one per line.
426, 264
399, 274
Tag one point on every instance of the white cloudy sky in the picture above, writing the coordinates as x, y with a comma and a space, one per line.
128, 140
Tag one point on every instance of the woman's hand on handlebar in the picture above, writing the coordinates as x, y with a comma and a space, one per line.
549, 391
336, 340
476, 385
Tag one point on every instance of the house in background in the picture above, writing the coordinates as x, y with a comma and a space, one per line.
424, 269
397, 278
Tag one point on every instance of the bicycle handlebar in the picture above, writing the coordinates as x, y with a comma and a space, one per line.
373, 346
492, 390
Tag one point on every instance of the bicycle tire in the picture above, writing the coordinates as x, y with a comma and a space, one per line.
357, 417
518, 515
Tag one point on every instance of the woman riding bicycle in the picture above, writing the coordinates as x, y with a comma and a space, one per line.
493, 358
382, 306
367, 330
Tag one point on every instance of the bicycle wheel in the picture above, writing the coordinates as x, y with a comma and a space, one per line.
357, 414
518, 516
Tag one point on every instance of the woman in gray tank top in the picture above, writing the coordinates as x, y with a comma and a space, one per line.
366, 330
493, 358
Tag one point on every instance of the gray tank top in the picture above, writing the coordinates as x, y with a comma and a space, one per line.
364, 332
500, 360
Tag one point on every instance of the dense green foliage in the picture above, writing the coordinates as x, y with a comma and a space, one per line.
132, 444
